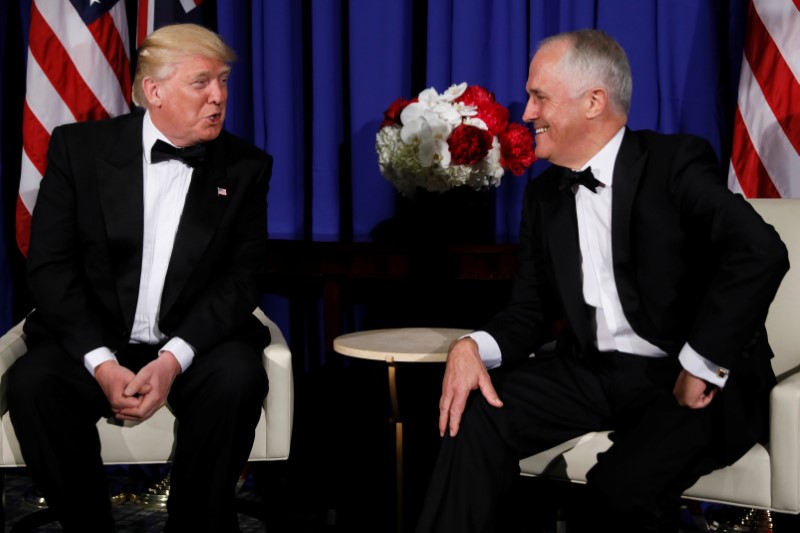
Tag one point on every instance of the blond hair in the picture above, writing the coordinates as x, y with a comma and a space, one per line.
164, 48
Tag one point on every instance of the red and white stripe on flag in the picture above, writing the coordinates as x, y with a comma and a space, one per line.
765, 156
78, 68
151, 16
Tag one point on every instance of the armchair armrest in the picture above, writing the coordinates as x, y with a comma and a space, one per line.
279, 403
12, 346
784, 443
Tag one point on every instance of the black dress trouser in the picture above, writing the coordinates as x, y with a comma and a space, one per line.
659, 448
55, 404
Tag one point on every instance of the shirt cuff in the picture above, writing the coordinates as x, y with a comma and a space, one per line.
699, 366
182, 350
97, 357
488, 348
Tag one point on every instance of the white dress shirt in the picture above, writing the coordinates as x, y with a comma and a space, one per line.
613, 331
165, 186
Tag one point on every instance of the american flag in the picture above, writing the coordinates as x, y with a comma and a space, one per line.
765, 156
78, 68
156, 13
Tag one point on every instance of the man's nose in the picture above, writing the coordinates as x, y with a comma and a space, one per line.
531, 112
216, 93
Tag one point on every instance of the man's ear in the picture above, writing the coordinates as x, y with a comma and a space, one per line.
152, 92
597, 100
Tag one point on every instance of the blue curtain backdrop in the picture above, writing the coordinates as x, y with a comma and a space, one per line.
314, 77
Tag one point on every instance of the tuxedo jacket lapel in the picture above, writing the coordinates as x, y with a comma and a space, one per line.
206, 202
628, 172
119, 179
562, 237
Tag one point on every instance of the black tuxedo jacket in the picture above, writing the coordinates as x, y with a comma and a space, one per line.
693, 263
85, 257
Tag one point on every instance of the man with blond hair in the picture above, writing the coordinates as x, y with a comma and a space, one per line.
147, 246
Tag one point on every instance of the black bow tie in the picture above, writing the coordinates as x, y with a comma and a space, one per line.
191, 155
568, 178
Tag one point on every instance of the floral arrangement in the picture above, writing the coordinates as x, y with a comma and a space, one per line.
441, 141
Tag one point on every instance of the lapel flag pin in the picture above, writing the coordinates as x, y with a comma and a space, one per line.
222, 192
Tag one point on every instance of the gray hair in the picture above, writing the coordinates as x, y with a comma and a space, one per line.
166, 46
595, 58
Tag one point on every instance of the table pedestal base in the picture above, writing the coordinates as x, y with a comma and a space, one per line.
398, 441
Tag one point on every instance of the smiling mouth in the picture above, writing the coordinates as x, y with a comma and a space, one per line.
542, 129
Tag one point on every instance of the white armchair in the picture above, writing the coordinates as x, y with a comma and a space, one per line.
151, 442
766, 477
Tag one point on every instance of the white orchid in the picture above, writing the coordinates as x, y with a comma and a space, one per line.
465, 110
429, 97
434, 113
416, 118
433, 149
454, 91
478, 123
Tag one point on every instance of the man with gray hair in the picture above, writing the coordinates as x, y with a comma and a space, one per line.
653, 279
147, 249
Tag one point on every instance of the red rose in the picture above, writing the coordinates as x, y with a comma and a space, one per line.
477, 96
392, 115
516, 148
493, 114
468, 145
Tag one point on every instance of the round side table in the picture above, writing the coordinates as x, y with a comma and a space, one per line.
392, 346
